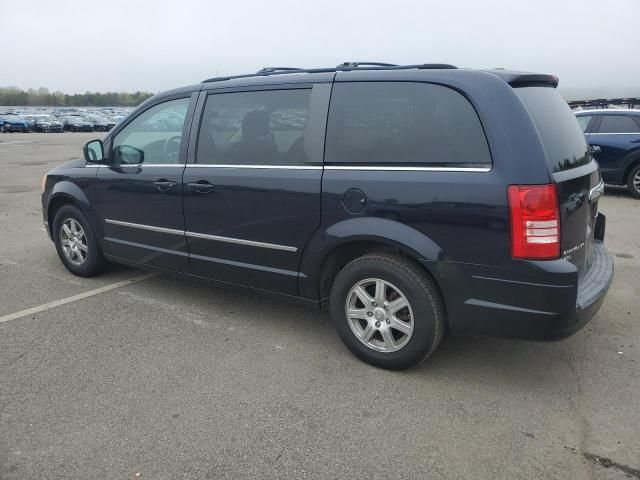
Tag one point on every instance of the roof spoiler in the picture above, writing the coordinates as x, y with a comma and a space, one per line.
525, 79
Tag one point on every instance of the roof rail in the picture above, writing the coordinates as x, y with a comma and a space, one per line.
365, 64
391, 66
342, 67
278, 69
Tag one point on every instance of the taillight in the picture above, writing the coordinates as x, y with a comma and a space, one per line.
535, 221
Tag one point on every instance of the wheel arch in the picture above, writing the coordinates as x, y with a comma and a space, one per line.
67, 193
333, 248
632, 161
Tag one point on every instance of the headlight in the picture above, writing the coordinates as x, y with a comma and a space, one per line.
44, 181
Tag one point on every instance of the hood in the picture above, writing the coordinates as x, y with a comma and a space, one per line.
77, 163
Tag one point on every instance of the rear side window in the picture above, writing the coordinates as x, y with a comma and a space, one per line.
618, 124
583, 121
254, 128
403, 123
560, 132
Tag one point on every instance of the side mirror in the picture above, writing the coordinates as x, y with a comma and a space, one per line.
93, 151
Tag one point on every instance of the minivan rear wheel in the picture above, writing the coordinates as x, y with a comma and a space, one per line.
387, 310
633, 181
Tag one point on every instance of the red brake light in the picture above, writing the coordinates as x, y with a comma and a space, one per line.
535, 221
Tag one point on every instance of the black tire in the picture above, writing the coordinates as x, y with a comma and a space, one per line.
420, 291
94, 262
634, 188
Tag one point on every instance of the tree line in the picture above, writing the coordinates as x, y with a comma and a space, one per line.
13, 96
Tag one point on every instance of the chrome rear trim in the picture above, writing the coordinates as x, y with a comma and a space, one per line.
596, 191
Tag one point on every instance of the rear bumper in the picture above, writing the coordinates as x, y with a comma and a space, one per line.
592, 288
542, 300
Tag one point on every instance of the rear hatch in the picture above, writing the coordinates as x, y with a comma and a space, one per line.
576, 174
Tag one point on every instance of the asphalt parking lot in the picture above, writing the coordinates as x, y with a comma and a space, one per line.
164, 378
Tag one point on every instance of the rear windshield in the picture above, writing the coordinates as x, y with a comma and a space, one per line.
561, 135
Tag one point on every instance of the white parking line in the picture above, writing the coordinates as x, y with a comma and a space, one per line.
75, 298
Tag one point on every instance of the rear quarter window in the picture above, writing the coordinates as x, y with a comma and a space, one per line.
403, 123
560, 133
583, 121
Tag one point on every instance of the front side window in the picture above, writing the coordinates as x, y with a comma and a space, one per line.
254, 128
153, 137
584, 120
403, 123
618, 124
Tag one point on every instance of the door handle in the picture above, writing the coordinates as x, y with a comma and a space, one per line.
201, 186
163, 185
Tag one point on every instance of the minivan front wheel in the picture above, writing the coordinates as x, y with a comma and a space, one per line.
76, 242
633, 181
387, 310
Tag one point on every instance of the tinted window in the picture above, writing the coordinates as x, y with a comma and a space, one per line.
400, 123
560, 133
154, 136
583, 121
254, 128
618, 124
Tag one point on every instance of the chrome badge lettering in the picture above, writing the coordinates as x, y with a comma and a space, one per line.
567, 253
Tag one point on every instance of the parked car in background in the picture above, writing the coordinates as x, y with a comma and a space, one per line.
390, 194
14, 123
614, 139
75, 123
100, 123
46, 123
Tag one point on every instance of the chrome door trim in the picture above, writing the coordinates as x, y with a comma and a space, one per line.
264, 167
139, 165
616, 133
145, 227
408, 169
204, 236
239, 241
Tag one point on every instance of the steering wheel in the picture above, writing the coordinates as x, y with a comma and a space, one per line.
171, 148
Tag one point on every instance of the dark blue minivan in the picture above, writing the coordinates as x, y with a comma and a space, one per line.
614, 138
411, 200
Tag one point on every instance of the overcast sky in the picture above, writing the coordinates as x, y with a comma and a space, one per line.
125, 45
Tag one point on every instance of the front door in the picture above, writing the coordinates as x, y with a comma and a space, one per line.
252, 195
139, 191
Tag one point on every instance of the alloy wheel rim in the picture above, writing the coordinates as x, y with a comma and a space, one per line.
73, 241
636, 181
379, 315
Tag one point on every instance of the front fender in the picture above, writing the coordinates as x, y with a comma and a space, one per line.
69, 192
380, 230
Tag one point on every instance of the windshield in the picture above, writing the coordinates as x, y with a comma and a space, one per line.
559, 130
